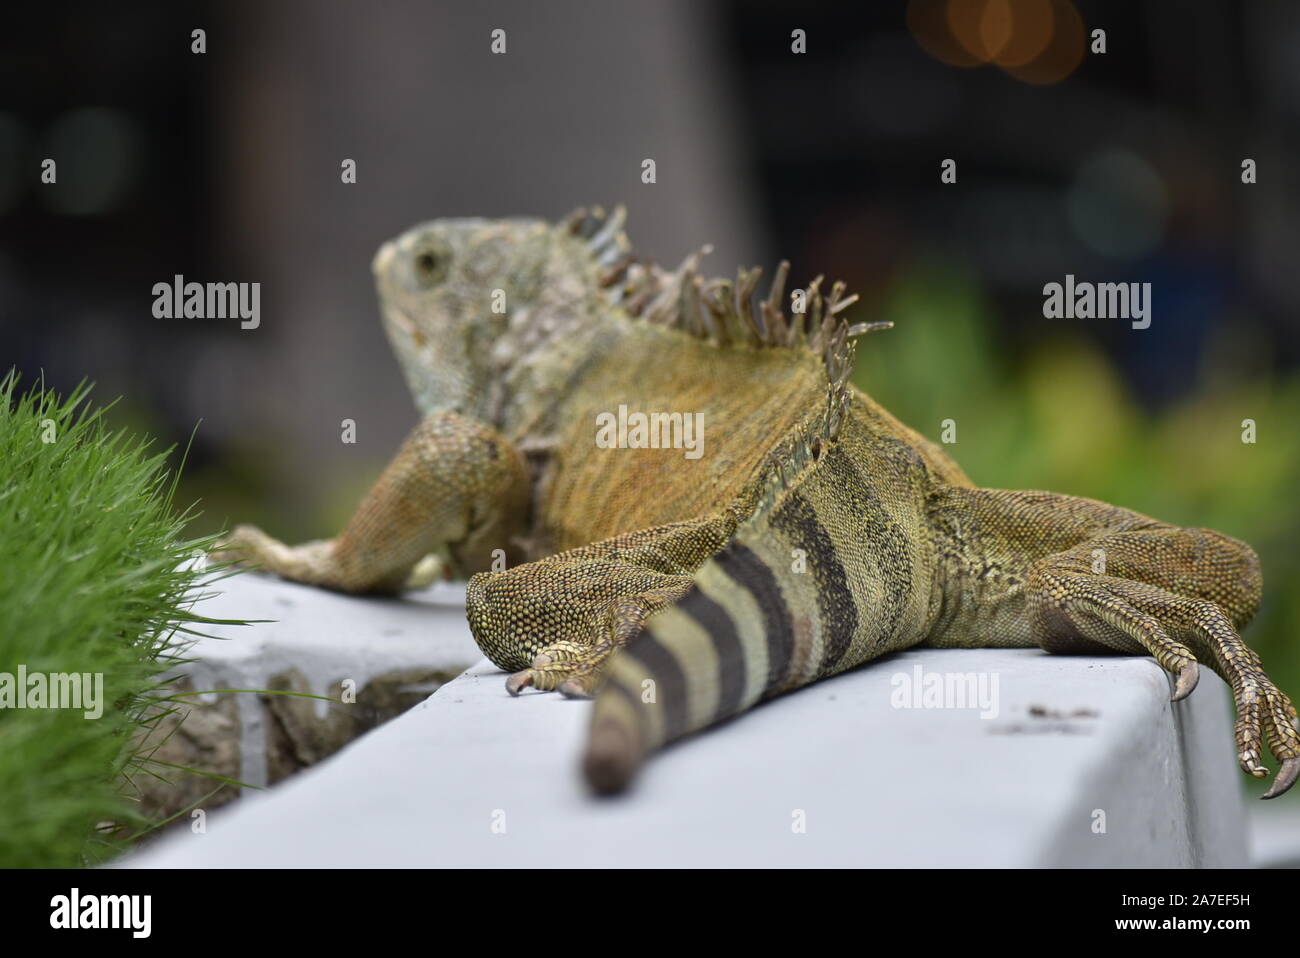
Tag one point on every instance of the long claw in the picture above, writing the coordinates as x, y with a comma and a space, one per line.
519, 681
1286, 777
572, 689
1188, 676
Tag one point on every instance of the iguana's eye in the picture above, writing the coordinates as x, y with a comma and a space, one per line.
429, 267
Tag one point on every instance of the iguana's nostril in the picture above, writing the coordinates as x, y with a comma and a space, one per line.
383, 258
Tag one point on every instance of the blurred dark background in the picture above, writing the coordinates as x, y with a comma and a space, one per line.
1117, 166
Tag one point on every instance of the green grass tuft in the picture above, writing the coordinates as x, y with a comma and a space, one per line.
95, 577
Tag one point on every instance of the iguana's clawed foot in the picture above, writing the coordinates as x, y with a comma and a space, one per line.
573, 672
578, 688
321, 562
311, 562
1264, 713
1078, 612
1188, 676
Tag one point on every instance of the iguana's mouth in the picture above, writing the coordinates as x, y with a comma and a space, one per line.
395, 313
403, 321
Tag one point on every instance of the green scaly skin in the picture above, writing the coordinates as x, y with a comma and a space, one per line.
814, 533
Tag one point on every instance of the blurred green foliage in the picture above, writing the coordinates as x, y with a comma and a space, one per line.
1057, 415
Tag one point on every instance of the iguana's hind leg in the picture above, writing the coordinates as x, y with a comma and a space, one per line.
455, 484
1120, 582
554, 623
1179, 595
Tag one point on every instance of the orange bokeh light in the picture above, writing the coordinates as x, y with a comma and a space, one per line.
1037, 41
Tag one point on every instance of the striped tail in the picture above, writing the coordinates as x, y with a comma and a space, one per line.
751, 627
786, 601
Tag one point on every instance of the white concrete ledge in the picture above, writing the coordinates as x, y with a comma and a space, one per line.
384, 655
471, 777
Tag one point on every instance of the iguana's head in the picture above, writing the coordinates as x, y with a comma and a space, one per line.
448, 290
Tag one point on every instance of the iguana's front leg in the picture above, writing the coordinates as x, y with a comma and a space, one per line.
1076, 575
554, 623
456, 483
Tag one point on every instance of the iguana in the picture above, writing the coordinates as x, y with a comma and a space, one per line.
813, 533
